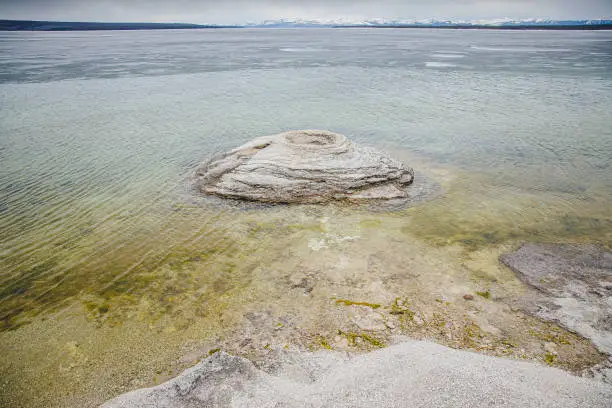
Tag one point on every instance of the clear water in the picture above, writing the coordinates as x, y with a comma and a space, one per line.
99, 131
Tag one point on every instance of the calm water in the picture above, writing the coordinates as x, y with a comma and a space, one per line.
99, 131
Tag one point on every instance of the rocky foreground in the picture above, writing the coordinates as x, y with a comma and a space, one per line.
410, 374
306, 166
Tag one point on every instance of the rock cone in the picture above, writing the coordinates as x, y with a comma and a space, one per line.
306, 166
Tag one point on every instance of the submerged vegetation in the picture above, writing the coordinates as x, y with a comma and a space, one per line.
195, 280
549, 358
485, 294
357, 339
163, 274
346, 302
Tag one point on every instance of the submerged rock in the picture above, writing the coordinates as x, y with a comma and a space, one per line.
575, 284
305, 166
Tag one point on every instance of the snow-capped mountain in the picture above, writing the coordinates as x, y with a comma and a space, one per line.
384, 22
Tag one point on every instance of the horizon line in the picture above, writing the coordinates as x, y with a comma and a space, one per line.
505, 24
428, 20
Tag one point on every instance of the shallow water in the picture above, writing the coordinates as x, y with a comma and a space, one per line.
99, 132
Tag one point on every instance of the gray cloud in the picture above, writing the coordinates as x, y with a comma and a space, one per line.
239, 11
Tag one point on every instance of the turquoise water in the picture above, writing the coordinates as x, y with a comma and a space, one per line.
99, 133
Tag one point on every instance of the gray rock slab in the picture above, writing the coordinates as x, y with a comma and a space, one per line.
411, 374
305, 166
575, 286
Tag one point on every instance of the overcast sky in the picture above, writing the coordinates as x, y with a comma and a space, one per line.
240, 11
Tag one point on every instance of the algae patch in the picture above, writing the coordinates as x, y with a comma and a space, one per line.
361, 339
323, 342
484, 294
347, 302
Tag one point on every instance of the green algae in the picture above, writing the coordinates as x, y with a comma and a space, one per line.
485, 294
347, 302
508, 343
400, 307
372, 340
368, 340
322, 341
472, 330
138, 276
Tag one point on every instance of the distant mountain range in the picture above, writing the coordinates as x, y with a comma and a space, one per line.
600, 24
431, 23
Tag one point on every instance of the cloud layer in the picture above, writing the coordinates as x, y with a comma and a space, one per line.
241, 11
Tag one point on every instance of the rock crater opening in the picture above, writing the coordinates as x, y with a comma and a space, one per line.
306, 138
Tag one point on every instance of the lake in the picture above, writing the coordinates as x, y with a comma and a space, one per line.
116, 274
